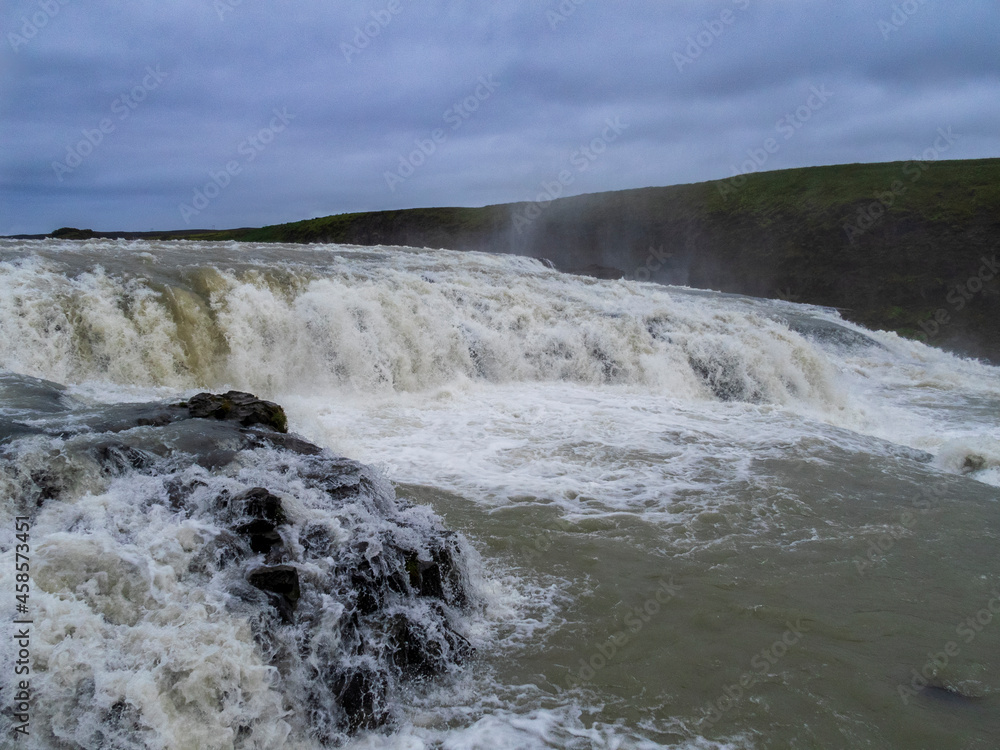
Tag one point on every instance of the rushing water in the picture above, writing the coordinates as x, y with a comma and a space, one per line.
692, 520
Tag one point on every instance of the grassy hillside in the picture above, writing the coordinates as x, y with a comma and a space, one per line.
897, 246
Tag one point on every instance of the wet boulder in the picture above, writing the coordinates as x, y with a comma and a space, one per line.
352, 597
117, 459
423, 648
237, 406
223, 550
437, 577
260, 515
281, 583
362, 694
280, 441
973, 462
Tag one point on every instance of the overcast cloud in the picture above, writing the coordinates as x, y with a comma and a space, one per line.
119, 115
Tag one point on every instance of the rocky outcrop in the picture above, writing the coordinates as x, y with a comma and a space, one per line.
351, 593
237, 406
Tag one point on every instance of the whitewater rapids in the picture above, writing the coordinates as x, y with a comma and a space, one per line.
597, 442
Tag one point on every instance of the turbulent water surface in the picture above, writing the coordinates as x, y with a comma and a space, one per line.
684, 519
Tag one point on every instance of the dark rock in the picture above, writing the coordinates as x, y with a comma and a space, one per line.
950, 694
825, 331
367, 598
117, 459
48, 486
265, 515
973, 463
598, 271
724, 377
236, 406
340, 478
11, 430
388, 572
123, 417
281, 583
437, 578
372, 580
34, 394
418, 652
461, 649
262, 535
178, 492
425, 577
453, 588
316, 540
281, 605
159, 419
224, 550
362, 696
411, 653
380, 605
344, 479
72, 233
124, 718
284, 442
279, 579
216, 459
259, 503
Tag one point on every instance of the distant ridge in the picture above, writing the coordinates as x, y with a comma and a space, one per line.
901, 246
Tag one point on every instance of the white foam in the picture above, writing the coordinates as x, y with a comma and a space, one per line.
489, 376
385, 321
114, 617
538, 729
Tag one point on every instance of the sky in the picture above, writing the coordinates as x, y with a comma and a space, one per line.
134, 116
